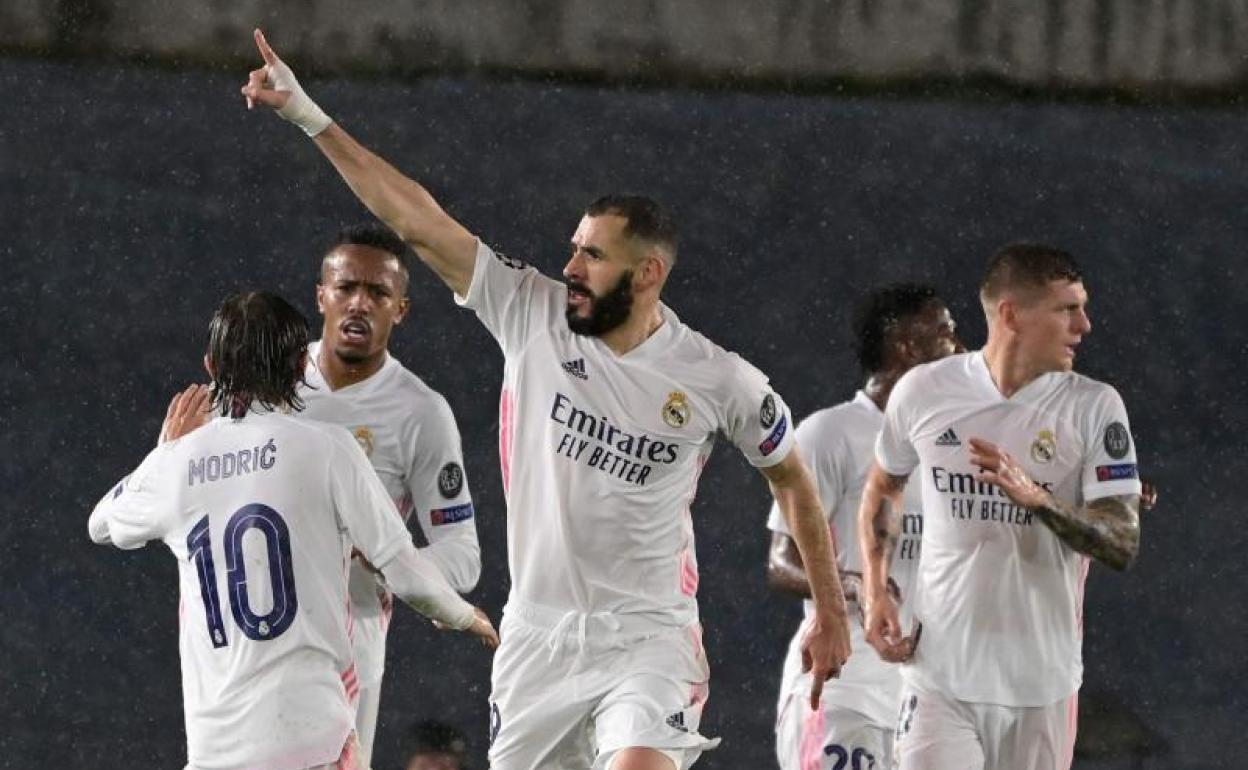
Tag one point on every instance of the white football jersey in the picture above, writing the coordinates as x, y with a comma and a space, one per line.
838, 444
601, 452
409, 434
260, 514
999, 595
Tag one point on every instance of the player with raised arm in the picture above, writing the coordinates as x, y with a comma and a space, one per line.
405, 428
261, 511
1028, 472
896, 327
609, 409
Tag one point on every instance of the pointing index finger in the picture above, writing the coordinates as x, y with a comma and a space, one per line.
266, 52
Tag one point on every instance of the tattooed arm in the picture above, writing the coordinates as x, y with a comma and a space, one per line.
879, 527
1107, 529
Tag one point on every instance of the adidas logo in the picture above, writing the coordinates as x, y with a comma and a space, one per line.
677, 721
576, 368
948, 438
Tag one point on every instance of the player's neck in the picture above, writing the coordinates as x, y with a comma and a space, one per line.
880, 386
339, 374
1009, 369
636, 330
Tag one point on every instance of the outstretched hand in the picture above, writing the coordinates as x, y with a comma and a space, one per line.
275, 85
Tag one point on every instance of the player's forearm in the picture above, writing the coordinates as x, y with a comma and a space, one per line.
785, 575
879, 530
418, 582
1107, 529
403, 204
458, 559
800, 503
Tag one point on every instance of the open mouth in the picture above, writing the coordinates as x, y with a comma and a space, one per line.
578, 297
355, 330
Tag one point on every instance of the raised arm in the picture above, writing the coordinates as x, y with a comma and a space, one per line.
405, 206
878, 531
825, 647
1107, 529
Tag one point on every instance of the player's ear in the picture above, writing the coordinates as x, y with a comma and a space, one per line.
405, 304
651, 273
320, 297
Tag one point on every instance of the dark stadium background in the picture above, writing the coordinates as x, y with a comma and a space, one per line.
132, 199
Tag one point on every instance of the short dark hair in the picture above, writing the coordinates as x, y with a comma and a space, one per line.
374, 235
645, 219
879, 313
256, 343
1026, 267
429, 736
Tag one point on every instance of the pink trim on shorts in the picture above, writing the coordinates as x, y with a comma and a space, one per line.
810, 747
350, 757
505, 427
695, 635
351, 684
1067, 757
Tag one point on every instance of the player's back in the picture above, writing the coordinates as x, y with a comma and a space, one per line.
264, 639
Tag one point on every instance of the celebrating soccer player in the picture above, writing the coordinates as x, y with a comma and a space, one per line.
1028, 470
609, 410
896, 327
261, 511
404, 426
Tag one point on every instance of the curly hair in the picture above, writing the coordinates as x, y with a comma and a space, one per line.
879, 313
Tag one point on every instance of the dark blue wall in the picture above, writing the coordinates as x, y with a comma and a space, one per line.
132, 200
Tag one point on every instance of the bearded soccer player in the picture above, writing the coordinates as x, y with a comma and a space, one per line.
609, 410
405, 428
1028, 473
896, 327
261, 510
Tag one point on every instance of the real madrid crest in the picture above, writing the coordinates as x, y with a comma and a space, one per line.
364, 437
1044, 448
676, 410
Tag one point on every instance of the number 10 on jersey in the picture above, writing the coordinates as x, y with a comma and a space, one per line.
270, 524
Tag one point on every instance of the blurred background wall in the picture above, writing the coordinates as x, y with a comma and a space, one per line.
135, 192
1155, 45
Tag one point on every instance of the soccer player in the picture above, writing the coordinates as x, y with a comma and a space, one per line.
609, 409
896, 327
261, 511
405, 428
1028, 472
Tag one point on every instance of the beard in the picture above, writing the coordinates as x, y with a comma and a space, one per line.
606, 312
350, 357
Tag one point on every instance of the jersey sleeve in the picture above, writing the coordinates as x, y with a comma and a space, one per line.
135, 510
511, 298
443, 507
823, 465
755, 418
1109, 463
375, 527
894, 447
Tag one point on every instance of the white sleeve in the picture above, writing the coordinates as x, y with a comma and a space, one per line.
511, 298
755, 418
1109, 466
894, 449
375, 527
823, 465
135, 510
438, 486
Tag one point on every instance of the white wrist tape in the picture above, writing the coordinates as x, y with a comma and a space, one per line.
299, 109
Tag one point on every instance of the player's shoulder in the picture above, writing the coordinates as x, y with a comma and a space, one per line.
415, 401
842, 417
1088, 390
927, 379
698, 357
309, 431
